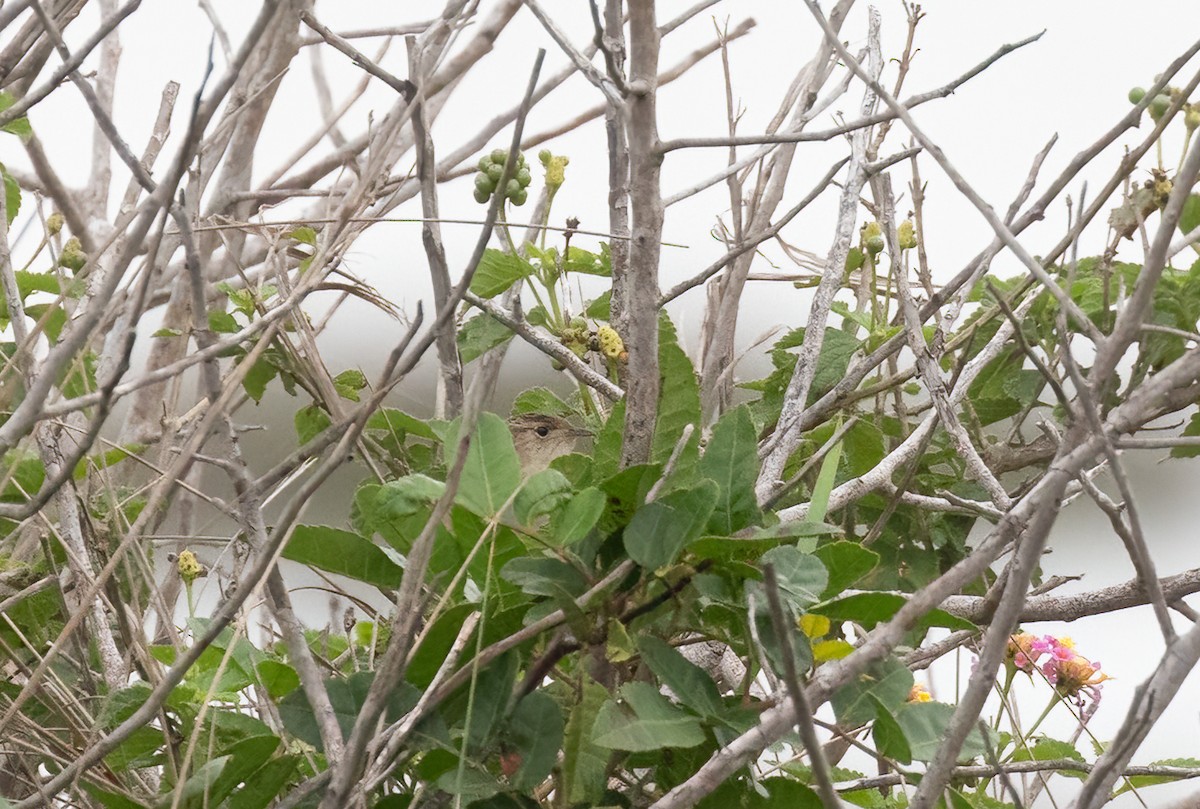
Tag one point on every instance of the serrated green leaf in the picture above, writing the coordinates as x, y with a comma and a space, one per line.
348, 383
310, 422
497, 271
480, 335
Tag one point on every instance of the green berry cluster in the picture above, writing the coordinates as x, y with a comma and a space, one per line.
1162, 102
491, 170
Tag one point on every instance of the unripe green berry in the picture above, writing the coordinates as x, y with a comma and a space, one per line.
482, 196
544, 155
519, 198
495, 172
499, 156
875, 245
485, 183
1136, 95
524, 178
512, 188
484, 163
1159, 106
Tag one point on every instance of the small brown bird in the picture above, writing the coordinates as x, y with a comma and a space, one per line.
540, 438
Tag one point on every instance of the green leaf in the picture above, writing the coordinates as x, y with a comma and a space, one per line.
305, 235
588, 263
818, 503
886, 683
541, 401
31, 282
888, 735
256, 379
17, 126
344, 552
871, 609
222, 322
601, 307
660, 530
480, 335
536, 731
543, 576
1047, 749
493, 471
497, 271
1139, 781
925, 724
104, 460
1191, 430
847, 562
748, 549
542, 494
310, 422
578, 518
399, 423
109, 800
12, 196
266, 785
167, 333
346, 695
690, 684
471, 784
679, 397
244, 759
348, 383
731, 459
584, 763
1189, 218
278, 678
654, 724
801, 576
606, 451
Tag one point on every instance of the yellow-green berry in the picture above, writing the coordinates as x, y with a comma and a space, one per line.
610, 342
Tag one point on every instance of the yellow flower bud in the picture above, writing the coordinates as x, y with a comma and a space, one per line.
189, 567
54, 223
556, 171
906, 235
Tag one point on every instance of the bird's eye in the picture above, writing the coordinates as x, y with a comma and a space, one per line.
543, 431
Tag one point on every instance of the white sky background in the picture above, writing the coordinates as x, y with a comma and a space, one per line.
1072, 82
